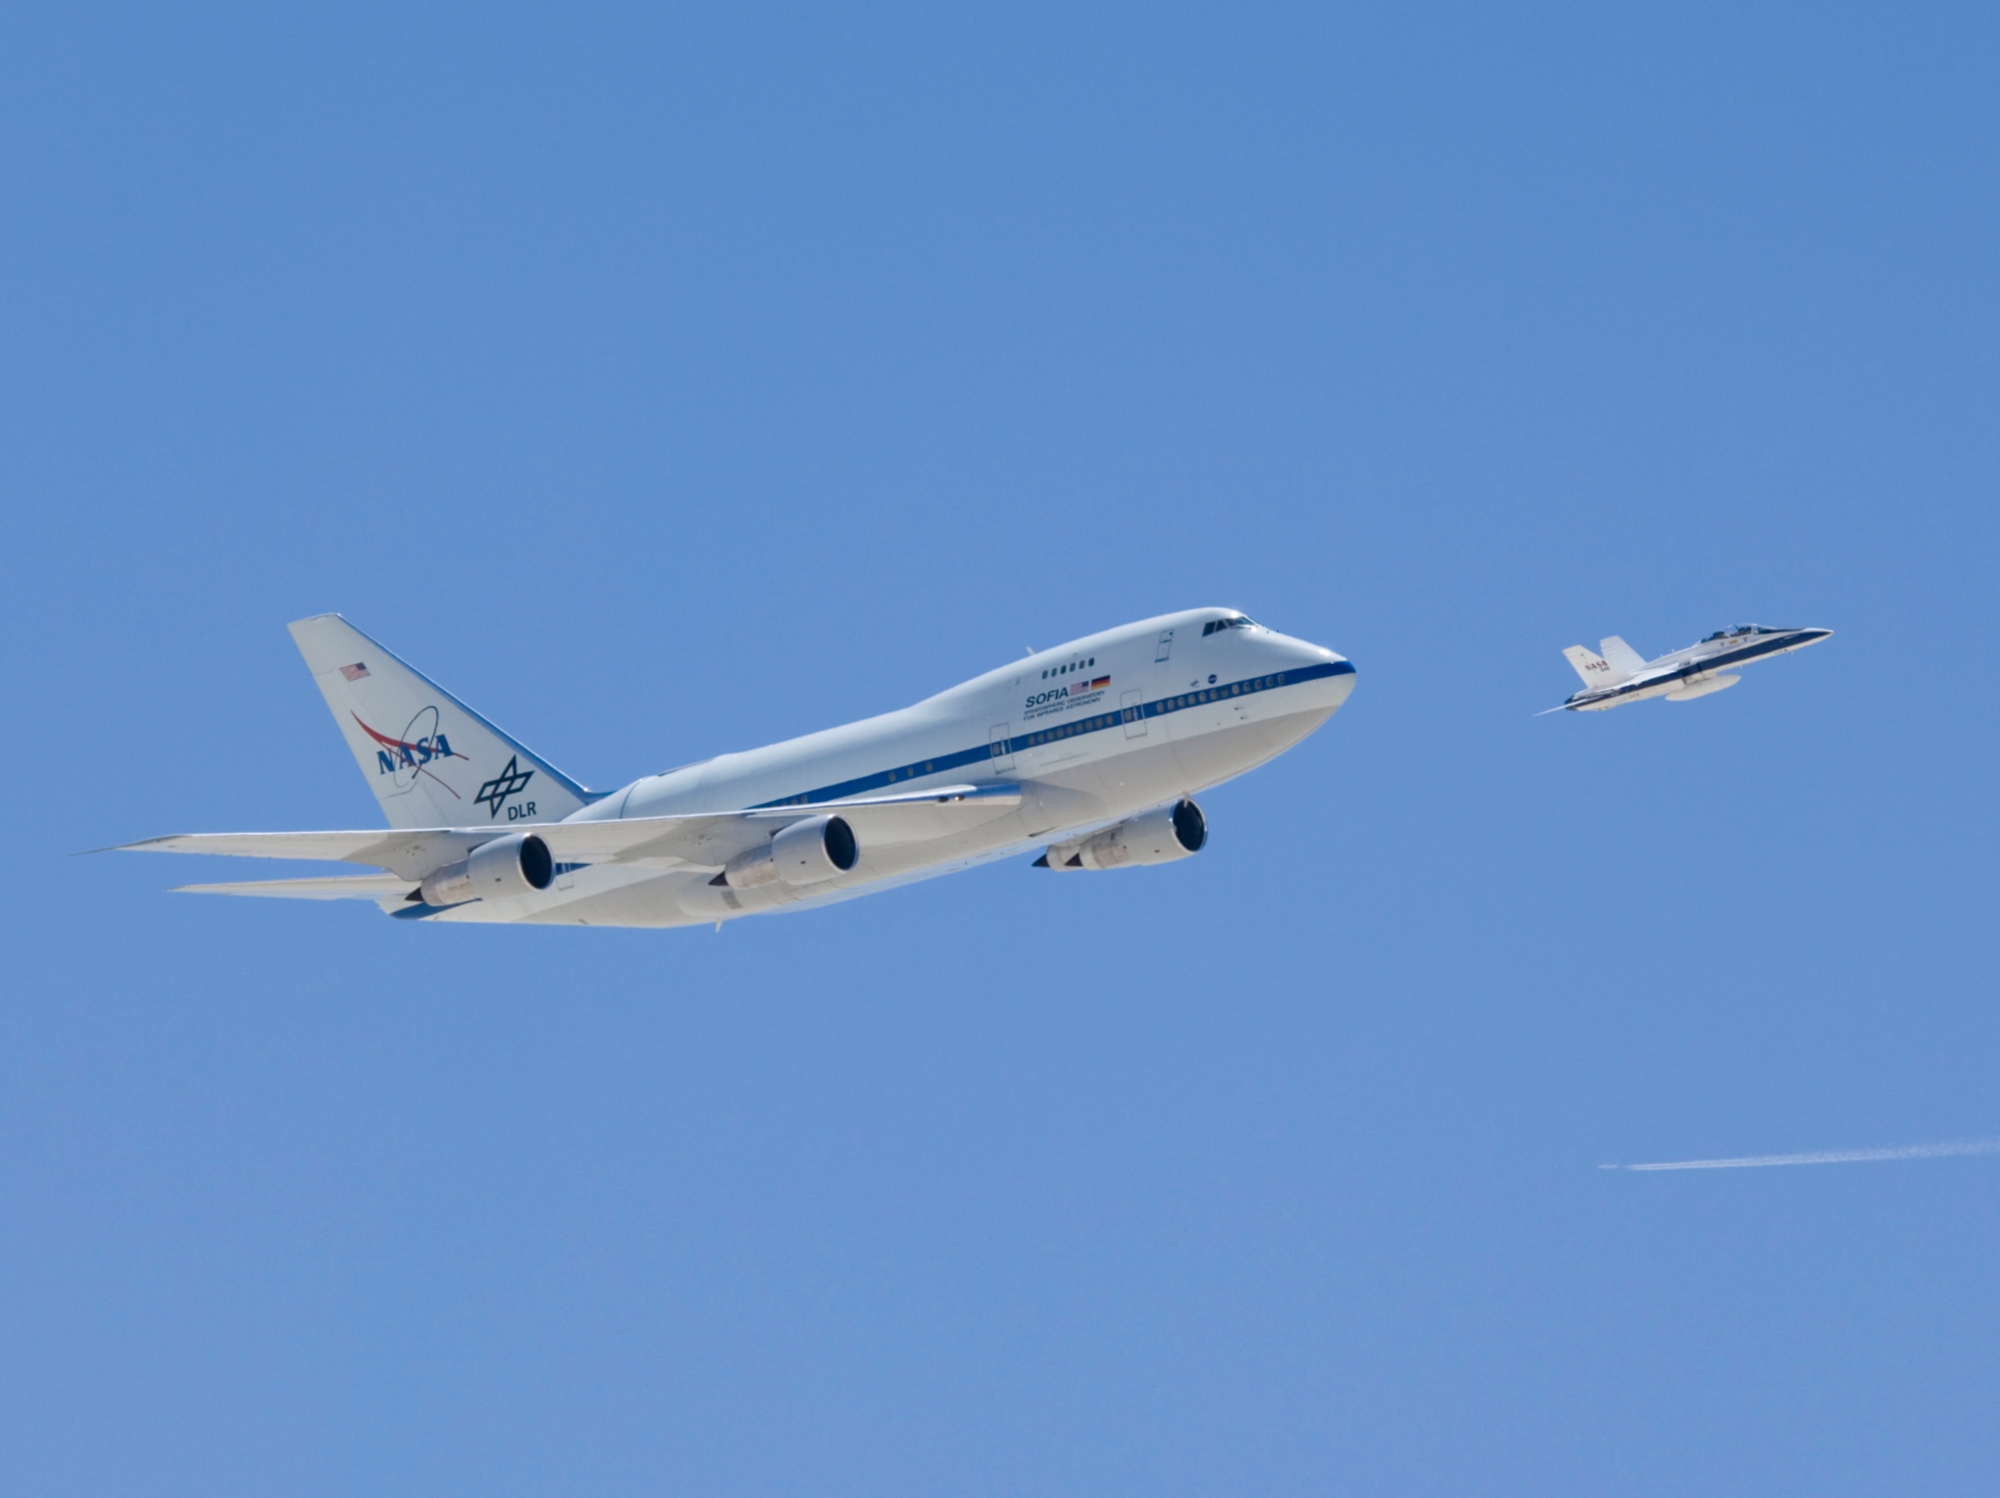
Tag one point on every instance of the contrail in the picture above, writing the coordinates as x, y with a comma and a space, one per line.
1830, 1157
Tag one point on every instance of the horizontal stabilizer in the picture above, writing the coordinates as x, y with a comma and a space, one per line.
337, 887
411, 854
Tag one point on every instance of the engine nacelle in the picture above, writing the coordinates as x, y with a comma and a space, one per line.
807, 852
499, 870
1160, 836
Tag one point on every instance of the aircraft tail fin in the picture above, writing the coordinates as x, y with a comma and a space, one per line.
1595, 670
430, 760
1624, 659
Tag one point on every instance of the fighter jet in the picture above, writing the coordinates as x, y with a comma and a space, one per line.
1619, 675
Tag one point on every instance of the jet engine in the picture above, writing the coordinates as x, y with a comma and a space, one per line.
807, 852
1160, 836
507, 866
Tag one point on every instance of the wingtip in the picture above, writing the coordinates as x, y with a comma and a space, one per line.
144, 845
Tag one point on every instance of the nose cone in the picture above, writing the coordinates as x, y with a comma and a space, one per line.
1324, 675
1339, 686
1814, 636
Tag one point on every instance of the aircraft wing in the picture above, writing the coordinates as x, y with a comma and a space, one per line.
711, 839
912, 816
706, 839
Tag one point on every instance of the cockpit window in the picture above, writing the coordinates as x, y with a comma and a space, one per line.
1234, 621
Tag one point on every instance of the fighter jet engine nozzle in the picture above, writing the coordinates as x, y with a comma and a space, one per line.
1159, 836
499, 870
807, 852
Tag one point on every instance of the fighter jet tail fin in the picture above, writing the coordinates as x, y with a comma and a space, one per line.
1624, 659
1595, 670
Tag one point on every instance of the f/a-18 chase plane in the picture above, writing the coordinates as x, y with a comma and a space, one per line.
1093, 751
1619, 675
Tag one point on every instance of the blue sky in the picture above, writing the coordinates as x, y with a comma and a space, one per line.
669, 382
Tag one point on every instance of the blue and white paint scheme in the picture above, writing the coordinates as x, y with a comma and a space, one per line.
1618, 675
1093, 752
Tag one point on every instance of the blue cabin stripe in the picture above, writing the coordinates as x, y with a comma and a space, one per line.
942, 764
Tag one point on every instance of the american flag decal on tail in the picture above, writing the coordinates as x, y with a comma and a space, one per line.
354, 672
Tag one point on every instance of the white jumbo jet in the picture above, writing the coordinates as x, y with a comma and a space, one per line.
1094, 750
1619, 676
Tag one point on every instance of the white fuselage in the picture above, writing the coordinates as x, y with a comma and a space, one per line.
1098, 730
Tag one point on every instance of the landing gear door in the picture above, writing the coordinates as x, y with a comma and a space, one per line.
1132, 708
996, 739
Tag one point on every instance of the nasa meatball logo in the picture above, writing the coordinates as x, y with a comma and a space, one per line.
404, 759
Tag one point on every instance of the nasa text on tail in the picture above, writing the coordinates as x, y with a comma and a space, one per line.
1094, 751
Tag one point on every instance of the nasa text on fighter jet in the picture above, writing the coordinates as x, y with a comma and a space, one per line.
1619, 676
1093, 750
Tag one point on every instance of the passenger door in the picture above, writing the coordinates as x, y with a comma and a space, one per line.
1133, 706
996, 739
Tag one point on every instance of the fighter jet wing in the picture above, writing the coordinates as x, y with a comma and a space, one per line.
704, 839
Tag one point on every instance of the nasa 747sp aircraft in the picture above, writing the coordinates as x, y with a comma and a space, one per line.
1619, 676
1093, 750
